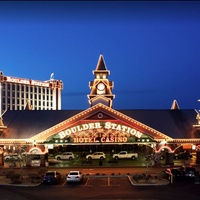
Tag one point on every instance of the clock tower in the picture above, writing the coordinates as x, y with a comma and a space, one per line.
101, 87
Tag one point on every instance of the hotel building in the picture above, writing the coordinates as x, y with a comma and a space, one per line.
21, 93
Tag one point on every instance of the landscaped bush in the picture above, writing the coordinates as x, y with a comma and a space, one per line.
41, 172
138, 177
9, 174
16, 178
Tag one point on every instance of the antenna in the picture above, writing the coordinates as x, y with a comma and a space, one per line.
52, 76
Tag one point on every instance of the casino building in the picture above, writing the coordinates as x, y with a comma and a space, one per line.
101, 127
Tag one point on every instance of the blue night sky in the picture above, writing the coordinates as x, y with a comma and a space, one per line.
152, 49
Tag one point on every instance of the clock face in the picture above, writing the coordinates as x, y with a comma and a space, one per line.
101, 86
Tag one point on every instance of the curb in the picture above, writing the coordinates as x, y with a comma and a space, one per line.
146, 184
20, 185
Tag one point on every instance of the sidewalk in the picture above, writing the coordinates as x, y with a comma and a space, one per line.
25, 182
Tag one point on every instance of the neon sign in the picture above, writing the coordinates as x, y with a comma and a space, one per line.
103, 127
26, 81
101, 140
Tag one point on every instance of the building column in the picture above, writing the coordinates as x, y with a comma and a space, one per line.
169, 158
157, 158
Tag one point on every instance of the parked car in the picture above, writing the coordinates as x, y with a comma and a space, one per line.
96, 155
183, 155
12, 158
74, 176
52, 177
124, 155
65, 156
188, 171
175, 172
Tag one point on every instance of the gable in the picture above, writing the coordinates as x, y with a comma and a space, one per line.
100, 114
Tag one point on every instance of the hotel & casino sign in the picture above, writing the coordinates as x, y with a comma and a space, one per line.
100, 132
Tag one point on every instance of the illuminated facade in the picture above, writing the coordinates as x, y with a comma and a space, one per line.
21, 93
102, 128
101, 87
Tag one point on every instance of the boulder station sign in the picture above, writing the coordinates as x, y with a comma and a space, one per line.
101, 128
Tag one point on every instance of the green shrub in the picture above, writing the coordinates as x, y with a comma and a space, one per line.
41, 172
138, 177
16, 178
9, 174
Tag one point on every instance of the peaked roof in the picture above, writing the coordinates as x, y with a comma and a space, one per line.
175, 105
22, 124
101, 64
177, 124
28, 106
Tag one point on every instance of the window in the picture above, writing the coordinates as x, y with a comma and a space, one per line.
22, 88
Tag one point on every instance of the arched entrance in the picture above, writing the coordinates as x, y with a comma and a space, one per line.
36, 158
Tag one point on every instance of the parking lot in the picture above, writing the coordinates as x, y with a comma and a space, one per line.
96, 182
106, 182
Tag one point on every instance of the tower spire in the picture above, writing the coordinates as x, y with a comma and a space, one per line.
101, 87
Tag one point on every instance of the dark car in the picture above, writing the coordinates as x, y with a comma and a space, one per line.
52, 177
188, 171
183, 155
175, 172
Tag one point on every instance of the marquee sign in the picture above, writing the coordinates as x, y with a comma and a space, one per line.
100, 132
25, 81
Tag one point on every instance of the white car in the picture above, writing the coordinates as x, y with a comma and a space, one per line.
96, 155
74, 176
65, 156
11, 158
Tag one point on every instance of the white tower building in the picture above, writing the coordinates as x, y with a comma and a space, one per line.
22, 93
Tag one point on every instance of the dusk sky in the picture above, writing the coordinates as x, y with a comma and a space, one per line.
152, 49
